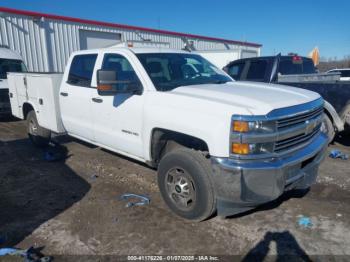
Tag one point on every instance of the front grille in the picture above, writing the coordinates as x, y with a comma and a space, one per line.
289, 129
289, 122
4, 96
295, 141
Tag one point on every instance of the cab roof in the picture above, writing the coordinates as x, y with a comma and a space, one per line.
136, 50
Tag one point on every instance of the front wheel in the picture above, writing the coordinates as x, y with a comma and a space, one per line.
38, 135
184, 179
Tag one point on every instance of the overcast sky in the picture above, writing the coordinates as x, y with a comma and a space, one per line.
280, 26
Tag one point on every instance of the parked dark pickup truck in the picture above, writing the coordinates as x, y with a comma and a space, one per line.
299, 72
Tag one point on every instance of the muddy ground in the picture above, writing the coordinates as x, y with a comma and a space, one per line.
72, 207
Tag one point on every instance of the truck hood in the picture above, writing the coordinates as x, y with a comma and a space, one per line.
257, 98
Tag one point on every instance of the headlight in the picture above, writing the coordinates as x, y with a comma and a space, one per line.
241, 129
253, 126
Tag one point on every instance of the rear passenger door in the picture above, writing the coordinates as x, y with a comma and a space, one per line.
75, 97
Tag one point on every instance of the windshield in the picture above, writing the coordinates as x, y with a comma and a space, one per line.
170, 70
10, 65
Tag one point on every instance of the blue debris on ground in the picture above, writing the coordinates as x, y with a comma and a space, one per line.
144, 200
29, 255
7, 251
305, 222
338, 154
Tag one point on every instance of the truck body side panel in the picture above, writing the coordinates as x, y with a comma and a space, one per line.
337, 94
41, 91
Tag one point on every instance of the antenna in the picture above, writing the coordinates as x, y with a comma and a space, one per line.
159, 38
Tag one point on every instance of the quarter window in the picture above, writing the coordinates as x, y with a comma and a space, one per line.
81, 70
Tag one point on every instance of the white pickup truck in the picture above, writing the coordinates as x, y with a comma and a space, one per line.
217, 144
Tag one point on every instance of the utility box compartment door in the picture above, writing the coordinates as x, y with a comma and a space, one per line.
17, 93
43, 90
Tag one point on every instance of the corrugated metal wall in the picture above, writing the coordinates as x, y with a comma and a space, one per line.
46, 44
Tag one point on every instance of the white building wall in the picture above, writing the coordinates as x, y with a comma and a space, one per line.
46, 44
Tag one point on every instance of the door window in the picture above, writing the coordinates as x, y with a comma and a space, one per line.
235, 71
125, 73
257, 70
81, 70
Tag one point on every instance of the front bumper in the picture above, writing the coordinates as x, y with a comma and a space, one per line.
243, 185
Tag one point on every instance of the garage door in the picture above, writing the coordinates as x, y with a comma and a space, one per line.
95, 39
248, 54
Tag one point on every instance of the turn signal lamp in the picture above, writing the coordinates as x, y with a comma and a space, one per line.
104, 87
242, 149
240, 126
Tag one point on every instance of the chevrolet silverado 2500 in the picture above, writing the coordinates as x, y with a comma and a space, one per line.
217, 144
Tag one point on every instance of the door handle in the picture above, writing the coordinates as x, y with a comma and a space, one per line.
64, 94
97, 100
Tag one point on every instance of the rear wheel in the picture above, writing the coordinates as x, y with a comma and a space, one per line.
39, 136
184, 179
328, 128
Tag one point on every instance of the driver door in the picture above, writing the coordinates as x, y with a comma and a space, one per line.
118, 119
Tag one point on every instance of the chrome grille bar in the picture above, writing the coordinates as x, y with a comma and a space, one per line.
294, 141
291, 121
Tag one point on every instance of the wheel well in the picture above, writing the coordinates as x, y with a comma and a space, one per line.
163, 141
26, 109
330, 117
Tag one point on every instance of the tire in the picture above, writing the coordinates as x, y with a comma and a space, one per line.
184, 180
38, 135
345, 116
328, 128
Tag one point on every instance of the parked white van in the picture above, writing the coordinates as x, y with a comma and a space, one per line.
10, 61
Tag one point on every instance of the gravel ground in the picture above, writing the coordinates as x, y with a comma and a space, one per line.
71, 207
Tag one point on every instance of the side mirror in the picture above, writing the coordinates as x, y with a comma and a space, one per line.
108, 84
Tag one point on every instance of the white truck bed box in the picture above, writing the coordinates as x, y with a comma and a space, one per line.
41, 90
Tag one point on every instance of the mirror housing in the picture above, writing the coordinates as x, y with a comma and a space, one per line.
109, 85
